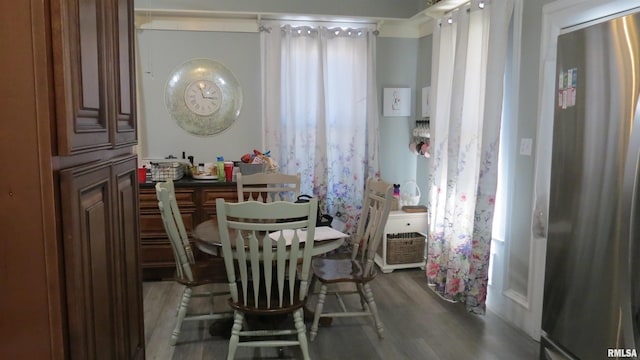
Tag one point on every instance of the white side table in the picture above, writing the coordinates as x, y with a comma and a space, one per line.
400, 222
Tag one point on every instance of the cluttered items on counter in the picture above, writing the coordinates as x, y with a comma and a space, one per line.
205, 171
257, 162
166, 170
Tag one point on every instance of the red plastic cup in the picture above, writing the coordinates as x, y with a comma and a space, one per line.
228, 171
142, 175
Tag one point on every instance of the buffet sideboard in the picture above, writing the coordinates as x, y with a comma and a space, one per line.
197, 202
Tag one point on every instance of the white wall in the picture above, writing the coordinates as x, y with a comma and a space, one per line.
509, 295
160, 51
423, 78
396, 64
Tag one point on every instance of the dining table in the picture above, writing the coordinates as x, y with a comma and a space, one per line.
207, 239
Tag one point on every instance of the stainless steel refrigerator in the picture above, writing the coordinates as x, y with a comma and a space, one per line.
592, 279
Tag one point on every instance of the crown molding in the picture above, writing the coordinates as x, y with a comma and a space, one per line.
189, 20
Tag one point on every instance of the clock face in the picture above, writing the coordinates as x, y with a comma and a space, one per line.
203, 97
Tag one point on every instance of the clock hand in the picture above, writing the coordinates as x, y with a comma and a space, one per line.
209, 95
201, 86
206, 94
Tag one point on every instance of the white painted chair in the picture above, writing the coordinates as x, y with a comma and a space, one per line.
263, 274
268, 187
189, 272
351, 276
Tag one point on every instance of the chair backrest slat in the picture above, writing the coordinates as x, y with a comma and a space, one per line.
377, 201
176, 232
268, 187
268, 246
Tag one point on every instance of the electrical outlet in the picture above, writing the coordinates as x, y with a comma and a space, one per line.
525, 146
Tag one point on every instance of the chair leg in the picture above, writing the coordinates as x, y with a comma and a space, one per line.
302, 336
235, 334
363, 298
312, 284
182, 312
373, 308
318, 312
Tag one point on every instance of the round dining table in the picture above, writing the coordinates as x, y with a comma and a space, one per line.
207, 239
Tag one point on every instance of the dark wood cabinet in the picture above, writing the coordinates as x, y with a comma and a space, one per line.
80, 60
197, 202
99, 226
93, 73
71, 213
93, 60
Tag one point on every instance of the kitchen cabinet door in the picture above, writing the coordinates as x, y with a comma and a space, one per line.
80, 60
87, 218
94, 67
100, 246
128, 278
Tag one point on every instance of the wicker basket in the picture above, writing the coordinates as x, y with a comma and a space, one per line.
404, 248
164, 171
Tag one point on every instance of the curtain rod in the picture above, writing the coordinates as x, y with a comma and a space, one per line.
481, 6
340, 22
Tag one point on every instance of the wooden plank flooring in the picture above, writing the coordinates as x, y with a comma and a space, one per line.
418, 325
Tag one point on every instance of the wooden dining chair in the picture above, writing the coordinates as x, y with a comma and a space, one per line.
268, 187
352, 275
262, 247
190, 272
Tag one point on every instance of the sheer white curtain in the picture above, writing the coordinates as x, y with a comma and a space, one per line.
468, 73
320, 112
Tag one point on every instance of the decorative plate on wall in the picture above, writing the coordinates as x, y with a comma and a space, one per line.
203, 97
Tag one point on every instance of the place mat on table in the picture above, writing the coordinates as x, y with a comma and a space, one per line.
322, 233
414, 208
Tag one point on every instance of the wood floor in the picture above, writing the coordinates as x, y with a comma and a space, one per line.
418, 325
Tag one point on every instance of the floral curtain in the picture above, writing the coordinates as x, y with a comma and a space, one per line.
320, 110
468, 71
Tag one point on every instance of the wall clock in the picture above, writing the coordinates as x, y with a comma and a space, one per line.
203, 97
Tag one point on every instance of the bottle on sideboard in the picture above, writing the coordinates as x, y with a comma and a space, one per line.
220, 164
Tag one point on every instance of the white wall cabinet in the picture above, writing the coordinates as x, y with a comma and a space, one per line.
401, 222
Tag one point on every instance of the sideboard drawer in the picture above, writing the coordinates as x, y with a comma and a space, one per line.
209, 196
184, 197
406, 223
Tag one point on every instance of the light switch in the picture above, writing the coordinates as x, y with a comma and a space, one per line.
525, 146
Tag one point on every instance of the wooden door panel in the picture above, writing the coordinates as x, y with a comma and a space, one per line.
80, 76
87, 233
128, 275
125, 125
